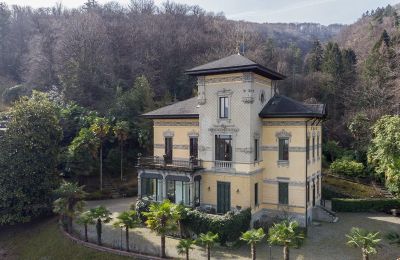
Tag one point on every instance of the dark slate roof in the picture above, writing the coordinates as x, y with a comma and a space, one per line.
234, 63
283, 107
182, 109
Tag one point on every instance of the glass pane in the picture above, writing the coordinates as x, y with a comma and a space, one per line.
283, 193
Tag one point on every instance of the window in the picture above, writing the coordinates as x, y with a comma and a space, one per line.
283, 149
256, 194
318, 185
194, 147
308, 192
152, 188
313, 147
178, 192
223, 107
308, 148
283, 193
168, 149
256, 150
223, 147
196, 192
318, 146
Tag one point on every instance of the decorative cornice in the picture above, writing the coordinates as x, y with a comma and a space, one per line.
237, 78
283, 123
283, 134
168, 133
175, 123
193, 133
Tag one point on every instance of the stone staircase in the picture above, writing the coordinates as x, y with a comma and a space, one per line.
382, 190
110, 187
320, 213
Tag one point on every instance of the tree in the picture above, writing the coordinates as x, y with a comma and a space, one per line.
252, 237
28, 159
384, 151
285, 234
70, 202
121, 131
208, 240
85, 219
101, 215
363, 239
162, 218
100, 128
127, 219
184, 246
314, 60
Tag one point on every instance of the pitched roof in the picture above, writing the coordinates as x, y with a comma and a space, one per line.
281, 106
182, 109
234, 63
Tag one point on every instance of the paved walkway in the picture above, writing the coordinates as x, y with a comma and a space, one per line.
323, 242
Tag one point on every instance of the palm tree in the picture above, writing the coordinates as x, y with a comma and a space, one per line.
184, 246
285, 234
208, 240
100, 128
367, 241
252, 237
127, 219
161, 219
70, 201
101, 215
85, 219
121, 131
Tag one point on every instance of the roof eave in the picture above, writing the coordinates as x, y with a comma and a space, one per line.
176, 116
256, 68
293, 116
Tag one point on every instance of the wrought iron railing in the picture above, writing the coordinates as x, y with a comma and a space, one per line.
157, 162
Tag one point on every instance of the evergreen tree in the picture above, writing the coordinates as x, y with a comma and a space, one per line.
314, 61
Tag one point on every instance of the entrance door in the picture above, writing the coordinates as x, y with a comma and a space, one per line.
168, 149
223, 197
313, 194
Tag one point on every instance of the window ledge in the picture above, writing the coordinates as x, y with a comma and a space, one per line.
283, 163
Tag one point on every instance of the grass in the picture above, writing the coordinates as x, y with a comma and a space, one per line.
349, 189
44, 240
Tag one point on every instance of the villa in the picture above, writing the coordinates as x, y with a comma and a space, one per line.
238, 144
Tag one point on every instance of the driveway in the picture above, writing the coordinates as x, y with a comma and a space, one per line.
326, 242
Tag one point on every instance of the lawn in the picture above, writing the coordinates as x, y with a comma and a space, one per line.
43, 240
347, 189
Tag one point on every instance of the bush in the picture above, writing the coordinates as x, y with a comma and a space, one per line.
365, 205
98, 195
347, 167
229, 226
142, 205
14, 93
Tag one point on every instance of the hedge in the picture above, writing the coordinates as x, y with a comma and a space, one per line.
229, 226
364, 205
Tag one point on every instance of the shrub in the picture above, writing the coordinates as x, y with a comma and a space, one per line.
14, 93
347, 167
229, 227
364, 205
141, 206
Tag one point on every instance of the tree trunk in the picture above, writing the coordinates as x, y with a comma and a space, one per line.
253, 251
365, 256
285, 253
122, 157
101, 167
127, 238
98, 228
187, 253
163, 255
208, 252
86, 236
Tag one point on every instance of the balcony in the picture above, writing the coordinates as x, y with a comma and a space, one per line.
157, 162
223, 164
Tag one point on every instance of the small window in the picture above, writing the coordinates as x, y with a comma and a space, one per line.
308, 192
255, 194
193, 147
283, 149
223, 107
308, 148
283, 193
317, 146
256, 150
313, 147
318, 185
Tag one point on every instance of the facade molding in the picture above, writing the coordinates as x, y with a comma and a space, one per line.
175, 123
168, 133
193, 133
283, 123
283, 134
291, 183
293, 149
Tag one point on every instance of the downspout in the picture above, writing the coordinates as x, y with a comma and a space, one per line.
306, 205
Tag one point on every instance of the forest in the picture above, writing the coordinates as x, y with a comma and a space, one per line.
104, 65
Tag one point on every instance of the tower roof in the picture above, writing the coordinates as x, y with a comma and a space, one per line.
234, 63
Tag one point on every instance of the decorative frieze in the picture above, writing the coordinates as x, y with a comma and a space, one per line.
159, 146
176, 123
248, 96
269, 148
203, 148
277, 180
248, 77
225, 92
223, 129
175, 146
283, 123
244, 150
295, 149
237, 78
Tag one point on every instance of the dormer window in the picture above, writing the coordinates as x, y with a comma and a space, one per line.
223, 107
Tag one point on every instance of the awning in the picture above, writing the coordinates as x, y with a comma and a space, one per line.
151, 175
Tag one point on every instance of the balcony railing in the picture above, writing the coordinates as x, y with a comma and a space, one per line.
157, 162
223, 164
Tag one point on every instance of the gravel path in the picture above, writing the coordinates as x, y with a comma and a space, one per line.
323, 242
